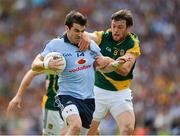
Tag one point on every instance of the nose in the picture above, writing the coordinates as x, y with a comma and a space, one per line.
80, 34
115, 30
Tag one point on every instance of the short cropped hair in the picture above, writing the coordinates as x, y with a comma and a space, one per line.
75, 17
123, 14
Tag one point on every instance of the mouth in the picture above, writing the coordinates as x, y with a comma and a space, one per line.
78, 37
116, 35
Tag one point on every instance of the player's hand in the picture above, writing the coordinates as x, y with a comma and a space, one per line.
55, 64
14, 104
102, 61
84, 44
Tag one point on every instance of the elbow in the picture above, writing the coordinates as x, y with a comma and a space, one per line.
125, 73
37, 64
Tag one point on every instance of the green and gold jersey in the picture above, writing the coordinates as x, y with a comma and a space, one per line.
48, 99
113, 81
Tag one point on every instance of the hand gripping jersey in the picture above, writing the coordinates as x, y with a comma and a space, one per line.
78, 78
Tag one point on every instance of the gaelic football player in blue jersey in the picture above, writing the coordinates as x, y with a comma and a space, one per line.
75, 96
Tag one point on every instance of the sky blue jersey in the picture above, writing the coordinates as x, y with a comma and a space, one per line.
77, 80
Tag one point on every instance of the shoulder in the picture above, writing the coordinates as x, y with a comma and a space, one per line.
102, 35
107, 33
133, 36
93, 43
134, 44
55, 41
94, 47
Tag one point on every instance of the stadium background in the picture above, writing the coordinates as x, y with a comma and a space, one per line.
26, 24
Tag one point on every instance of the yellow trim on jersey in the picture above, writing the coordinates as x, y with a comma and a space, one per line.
120, 85
44, 101
54, 85
48, 76
109, 30
99, 36
136, 49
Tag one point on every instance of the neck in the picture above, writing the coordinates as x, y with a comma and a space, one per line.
69, 37
124, 37
71, 41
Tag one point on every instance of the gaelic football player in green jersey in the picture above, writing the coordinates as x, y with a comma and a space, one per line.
52, 123
112, 90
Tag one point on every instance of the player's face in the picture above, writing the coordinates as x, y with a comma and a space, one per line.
119, 30
75, 33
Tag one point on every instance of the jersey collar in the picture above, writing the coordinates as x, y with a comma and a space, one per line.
68, 41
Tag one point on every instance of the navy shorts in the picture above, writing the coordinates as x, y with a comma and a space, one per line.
85, 107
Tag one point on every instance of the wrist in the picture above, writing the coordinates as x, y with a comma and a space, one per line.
19, 95
116, 64
45, 64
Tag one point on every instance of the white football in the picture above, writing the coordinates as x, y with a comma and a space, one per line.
54, 55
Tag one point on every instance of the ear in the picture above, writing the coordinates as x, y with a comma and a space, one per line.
129, 29
66, 28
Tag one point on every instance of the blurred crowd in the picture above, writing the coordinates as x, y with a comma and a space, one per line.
26, 24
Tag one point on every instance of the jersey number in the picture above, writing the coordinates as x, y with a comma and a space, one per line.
80, 54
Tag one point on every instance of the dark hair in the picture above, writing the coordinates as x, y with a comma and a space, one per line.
75, 17
123, 14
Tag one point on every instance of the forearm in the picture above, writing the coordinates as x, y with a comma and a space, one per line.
113, 66
127, 66
25, 82
122, 65
22, 89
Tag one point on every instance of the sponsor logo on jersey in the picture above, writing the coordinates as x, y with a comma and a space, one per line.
81, 61
92, 53
80, 68
67, 54
108, 49
122, 52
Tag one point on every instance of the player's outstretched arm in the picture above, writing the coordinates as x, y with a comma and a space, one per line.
16, 101
107, 64
127, 66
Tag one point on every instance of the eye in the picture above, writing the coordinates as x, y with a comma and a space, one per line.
114, 26
120, 27
76, 30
